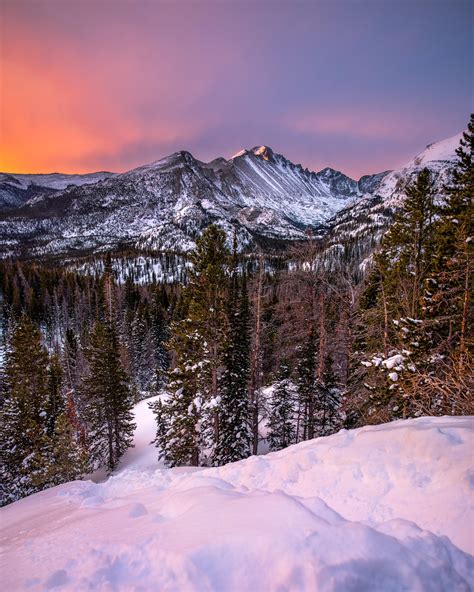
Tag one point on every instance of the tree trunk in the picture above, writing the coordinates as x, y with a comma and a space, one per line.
254, 386
322, 337
385, 321
465, 308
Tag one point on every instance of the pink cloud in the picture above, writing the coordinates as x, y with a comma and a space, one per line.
359, 123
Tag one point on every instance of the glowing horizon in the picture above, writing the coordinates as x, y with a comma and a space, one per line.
99, 85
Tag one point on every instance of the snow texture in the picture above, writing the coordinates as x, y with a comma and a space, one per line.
381, 508
438, 157
53, 180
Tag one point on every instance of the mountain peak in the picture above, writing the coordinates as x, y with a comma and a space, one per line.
328, 171
264, 152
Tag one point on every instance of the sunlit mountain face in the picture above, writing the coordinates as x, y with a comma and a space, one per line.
257, 194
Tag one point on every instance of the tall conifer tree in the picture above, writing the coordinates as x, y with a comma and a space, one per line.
108, 399
197, 342
281, 423
234, 417
448, 301
26, 447
306, 382
421, 299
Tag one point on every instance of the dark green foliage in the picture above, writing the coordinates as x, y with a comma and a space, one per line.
449, 287
416, 306
234, 420
457, 217
402, 345
33, 421
55, 406
26, 448
408, 248
281, 424
319, 398
107, 399
70, 355
69, 456
197, 342
328, 401
178, 434
306, 382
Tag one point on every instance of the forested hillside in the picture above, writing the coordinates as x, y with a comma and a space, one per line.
280, 346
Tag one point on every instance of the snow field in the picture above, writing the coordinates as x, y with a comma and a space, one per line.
381, 508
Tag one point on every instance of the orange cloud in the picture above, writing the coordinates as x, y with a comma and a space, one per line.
73, 104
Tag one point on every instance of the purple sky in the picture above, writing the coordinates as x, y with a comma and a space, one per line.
358, 85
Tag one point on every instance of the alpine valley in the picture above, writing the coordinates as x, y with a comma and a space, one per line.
236, 352
259, 195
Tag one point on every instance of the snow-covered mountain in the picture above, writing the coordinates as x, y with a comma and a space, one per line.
17, 189
328, 514
357, 228
438, 157
259, 194
165, 204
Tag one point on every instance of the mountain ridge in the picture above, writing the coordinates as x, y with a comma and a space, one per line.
164, 205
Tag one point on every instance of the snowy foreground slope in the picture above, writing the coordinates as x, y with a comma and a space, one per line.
381, 508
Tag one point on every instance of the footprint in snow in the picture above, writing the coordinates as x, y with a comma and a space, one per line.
137, 510
57, 579
92, 501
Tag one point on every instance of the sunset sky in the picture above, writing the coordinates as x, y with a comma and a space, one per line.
358, 85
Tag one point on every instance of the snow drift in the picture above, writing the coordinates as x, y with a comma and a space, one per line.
381, 508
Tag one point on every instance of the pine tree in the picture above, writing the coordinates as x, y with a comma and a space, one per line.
234, 418
140, 351
306, 383
26, 448
108, 399
408, 248
255, 382
446, 335
449, 286
392, 306
56, 403
159, 337
197, 341
328, 401
71, 348
69, 456
282, 432
420, 297
456, 214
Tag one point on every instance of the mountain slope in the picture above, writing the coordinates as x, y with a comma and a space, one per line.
378, 508
18, 189
438, 157
167, 203
354, 232
260, 195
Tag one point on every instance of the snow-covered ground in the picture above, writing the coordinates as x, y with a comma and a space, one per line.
144, 454
381, 508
